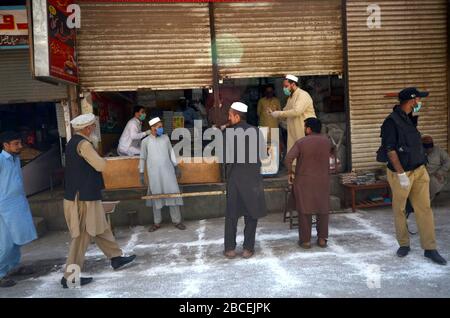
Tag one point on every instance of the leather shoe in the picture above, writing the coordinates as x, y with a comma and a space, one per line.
435, 257
403, 251
305, 246
6, 282
230, 254
120, 261
247, 253
83, 281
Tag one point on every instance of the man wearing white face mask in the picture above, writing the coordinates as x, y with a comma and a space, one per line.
407, 175
299, 106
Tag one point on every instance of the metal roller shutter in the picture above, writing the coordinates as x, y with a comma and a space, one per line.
410, 49
128, 46
302, 37
17, 84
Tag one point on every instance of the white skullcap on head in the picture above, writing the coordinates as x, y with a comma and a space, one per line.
240, 107
83, 121
154, 121
292, 78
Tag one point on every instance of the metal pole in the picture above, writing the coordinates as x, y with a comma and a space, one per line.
215, 67
349, 158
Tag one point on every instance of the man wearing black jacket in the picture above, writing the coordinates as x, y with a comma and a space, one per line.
245, 190
407, 174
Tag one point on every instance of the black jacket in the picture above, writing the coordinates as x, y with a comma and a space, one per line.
399, 132
245, 189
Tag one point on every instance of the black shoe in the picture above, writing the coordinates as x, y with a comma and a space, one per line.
6, 282
120, 261
403, 251
435, 257
83, 281
23, 271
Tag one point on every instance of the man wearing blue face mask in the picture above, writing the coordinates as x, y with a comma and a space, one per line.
159, 158
407, 174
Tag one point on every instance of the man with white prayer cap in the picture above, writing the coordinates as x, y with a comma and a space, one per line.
83, 207
158, 157
245, 190
298, 108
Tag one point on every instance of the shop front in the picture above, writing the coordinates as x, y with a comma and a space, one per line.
165, 56
400, 52
29, 106
169, 57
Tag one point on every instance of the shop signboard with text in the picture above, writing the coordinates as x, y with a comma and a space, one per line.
13, 27
54, 40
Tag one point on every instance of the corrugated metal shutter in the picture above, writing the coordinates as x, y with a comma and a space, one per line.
302, 37
17, 84
410, 49
127, 46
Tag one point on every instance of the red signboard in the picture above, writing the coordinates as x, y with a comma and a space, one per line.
61, 41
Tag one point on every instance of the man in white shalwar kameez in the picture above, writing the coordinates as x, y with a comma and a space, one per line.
158, 157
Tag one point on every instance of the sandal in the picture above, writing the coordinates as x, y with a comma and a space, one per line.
180, 226
154, 227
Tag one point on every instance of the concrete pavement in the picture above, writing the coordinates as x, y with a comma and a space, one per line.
359, 262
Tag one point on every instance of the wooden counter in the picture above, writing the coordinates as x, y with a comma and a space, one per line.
123, 172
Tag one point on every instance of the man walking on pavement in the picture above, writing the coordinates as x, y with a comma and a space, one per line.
16, 223
407, 175
83, 207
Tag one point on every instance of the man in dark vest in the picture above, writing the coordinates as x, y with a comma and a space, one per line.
407, 174
83, 208
245, 190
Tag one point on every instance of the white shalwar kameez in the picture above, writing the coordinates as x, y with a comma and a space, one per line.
158, 157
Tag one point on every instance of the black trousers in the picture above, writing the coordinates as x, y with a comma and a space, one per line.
249, 233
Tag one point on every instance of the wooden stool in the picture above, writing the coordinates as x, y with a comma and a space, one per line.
291, 217
110, 208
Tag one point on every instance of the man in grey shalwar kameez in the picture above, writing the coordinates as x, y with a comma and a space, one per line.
159, 158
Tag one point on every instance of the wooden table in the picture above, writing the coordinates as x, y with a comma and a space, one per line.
354, 188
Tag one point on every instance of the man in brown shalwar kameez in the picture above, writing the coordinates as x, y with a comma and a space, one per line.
311, 181
83, 208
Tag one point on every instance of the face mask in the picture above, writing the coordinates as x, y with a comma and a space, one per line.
286, 91
142, 117
418, 107
159, 131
